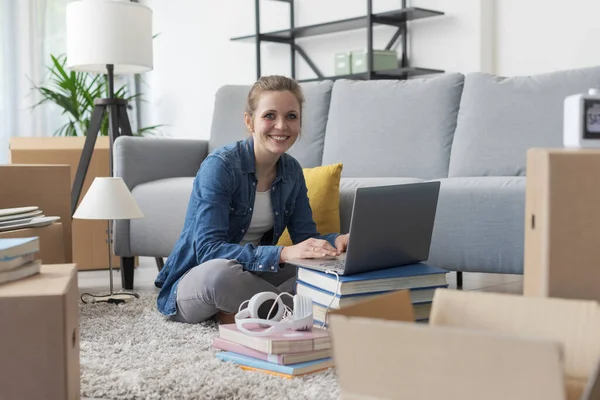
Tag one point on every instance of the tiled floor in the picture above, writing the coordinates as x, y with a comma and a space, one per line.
98, 281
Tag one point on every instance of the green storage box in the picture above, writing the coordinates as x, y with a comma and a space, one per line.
382, 60
342, 63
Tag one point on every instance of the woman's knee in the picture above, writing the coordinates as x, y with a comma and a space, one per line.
218, 274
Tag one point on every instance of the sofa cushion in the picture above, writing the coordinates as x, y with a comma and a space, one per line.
164, 203
500, 118
323, 185
228, 120
393, 128
480, 225
348, 188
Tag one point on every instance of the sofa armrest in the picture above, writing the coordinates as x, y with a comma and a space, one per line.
139, 160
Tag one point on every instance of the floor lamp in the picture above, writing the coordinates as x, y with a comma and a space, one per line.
109, 37
108, 199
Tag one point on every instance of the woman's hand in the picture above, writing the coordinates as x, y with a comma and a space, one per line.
341, 243
310, 248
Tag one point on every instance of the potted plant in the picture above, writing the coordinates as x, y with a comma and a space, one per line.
75, 92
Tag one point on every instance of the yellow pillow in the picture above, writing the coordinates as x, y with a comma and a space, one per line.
323, 184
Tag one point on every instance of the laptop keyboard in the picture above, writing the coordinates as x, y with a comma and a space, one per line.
333, 264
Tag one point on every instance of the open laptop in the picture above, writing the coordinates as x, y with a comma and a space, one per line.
390, 226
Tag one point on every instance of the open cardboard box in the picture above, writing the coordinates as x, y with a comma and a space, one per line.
477, 345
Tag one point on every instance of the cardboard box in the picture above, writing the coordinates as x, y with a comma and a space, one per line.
89, 237
49, 188
39, 338
562, 224
52, 245
477, 345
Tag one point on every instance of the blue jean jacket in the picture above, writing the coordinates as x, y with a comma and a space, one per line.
219, 214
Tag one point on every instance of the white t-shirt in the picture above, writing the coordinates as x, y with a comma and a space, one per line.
262, 219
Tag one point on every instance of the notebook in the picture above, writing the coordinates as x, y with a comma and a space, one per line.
278, 342
14, 247
283, 359
396, 278
265, 366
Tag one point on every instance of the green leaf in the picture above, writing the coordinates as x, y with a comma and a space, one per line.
74, 94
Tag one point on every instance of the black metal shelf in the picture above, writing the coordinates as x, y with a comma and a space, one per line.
394, 18
398, 73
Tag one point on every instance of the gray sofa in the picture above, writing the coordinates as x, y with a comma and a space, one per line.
471, 132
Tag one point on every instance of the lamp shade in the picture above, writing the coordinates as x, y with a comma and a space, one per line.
101, 32
108, 198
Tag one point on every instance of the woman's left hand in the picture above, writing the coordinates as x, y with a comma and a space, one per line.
341, 242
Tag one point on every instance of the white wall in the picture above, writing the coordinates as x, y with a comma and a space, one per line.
194, 55
537, 36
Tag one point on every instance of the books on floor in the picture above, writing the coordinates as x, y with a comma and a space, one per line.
281, 359
286, 354
17, 258
396, 278
421, 312
321, 296
284, 371
277, 342
327, 292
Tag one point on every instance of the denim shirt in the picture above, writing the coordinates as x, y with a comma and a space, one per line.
219, 214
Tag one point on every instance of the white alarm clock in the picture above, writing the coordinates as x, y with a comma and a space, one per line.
581, 125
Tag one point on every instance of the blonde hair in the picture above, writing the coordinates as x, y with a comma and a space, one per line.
273, 83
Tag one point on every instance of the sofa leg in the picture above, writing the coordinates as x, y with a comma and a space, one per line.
459, 280
127, 264
160, 263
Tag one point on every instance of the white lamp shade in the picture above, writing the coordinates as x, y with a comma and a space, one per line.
108, 198
101, 32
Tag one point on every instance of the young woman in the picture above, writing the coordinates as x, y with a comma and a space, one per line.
244, 196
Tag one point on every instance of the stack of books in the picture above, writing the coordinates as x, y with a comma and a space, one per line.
327, 293
17, 258
286, 354
24, 217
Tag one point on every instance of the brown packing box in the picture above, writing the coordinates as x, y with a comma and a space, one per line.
88, 236
48, 187
39, 336
477, 345
52, 245
562, 224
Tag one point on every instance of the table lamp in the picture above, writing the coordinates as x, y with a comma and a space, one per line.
108, 199
107, 37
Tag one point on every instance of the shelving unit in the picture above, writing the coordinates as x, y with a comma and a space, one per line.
396, 18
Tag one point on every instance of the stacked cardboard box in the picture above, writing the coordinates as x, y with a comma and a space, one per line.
39, 338
89, 248
477, 345
562, 221
47, 187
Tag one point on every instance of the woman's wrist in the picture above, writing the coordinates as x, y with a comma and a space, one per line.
282, 255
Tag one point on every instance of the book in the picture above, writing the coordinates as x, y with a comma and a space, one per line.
278, 342
14, 262
421, 311
282, 359
410, 276
21, 272
14, 247
337, 301
253, 364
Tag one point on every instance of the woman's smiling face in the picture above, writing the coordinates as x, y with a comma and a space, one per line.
276, 122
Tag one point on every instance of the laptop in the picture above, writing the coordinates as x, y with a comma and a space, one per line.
390, 226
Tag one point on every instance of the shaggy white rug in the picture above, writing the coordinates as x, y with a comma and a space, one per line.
131, 351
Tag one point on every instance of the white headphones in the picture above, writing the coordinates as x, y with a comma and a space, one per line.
301, 319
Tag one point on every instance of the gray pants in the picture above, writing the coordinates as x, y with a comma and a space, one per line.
222, 285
